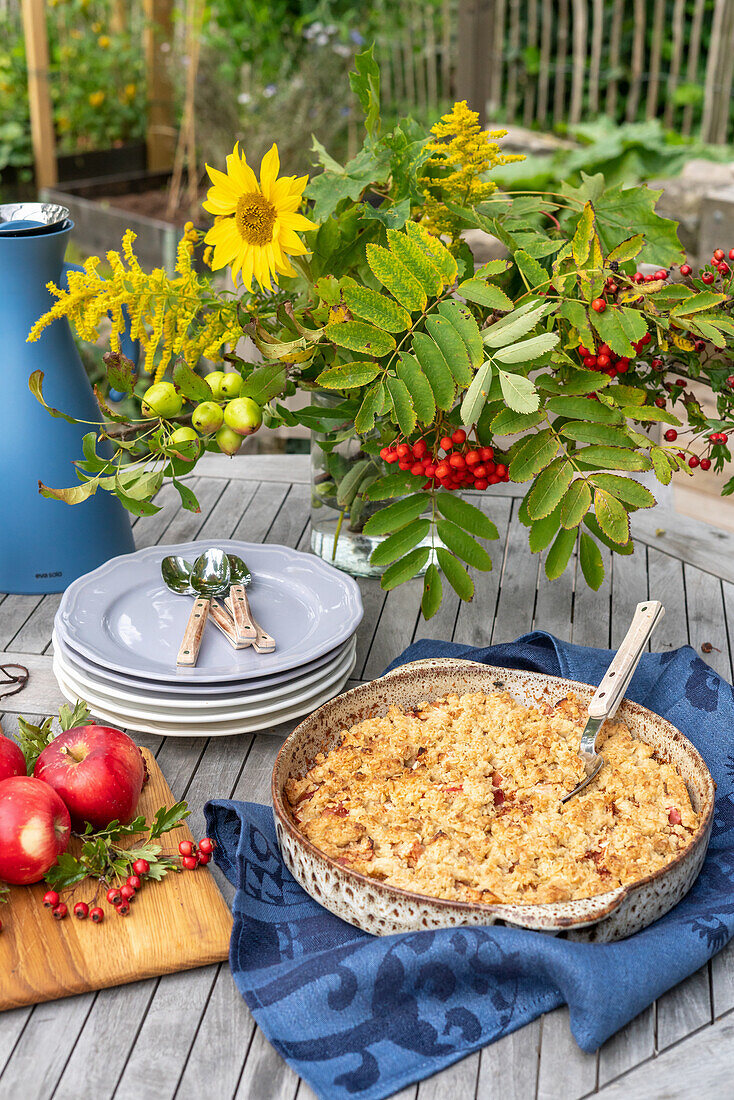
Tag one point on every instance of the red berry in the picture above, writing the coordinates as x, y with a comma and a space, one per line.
660, 402
420, 449
384, 453
405, 463
638, 277
114, 896
481, 483
392, 457
705, 463
657, 364
708, 277
472, 458
645, 340
135, 881
718, 254
127, 892
141, 867
682, 382
661, 274
96, 914
50, 898
417, 469
731, 253
459, 436
700, 345
443, 470
598, 305
447, 443
81, 910
480, 471
493, 479
204, 858
430, 471
723, 268
457, 462
583, 351
500, 469
486, 454
623, 365
189, 863
603, 361
671, 435
685, 269
59, 911
723, 437
730, 380
403, 450
648, 278
693, 461
590, 362
123, 908
681, 456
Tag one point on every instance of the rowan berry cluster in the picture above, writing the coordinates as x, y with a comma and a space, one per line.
605, 360
463, 465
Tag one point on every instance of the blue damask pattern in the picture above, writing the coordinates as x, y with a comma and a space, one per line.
359, 1016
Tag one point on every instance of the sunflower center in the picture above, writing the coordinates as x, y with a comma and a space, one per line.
255, 218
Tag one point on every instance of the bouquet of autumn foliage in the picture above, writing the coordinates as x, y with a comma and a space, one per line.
554, 367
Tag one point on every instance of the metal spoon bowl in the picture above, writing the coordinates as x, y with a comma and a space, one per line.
208, 578
176, 573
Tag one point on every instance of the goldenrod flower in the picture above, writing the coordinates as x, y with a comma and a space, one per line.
256, 223
103, 41
96, 99
130, 90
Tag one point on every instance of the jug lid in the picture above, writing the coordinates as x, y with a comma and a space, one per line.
19, 219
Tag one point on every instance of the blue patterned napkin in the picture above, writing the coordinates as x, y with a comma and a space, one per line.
359, 1016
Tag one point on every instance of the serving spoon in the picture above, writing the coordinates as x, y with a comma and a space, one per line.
239, 605
208, 578
614, 684
176, 573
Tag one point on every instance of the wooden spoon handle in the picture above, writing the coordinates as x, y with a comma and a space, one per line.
262, 642
189, 651
243, 621
224, 621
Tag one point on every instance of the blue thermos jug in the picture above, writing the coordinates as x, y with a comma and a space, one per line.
45, 544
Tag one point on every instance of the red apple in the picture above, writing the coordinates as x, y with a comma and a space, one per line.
12, 761
34, 829
97, 770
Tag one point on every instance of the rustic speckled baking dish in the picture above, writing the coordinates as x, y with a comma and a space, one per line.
382, 909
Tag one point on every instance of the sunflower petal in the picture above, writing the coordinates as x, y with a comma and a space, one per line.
297, 222
269, 168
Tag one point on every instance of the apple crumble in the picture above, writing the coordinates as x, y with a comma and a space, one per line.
461, 799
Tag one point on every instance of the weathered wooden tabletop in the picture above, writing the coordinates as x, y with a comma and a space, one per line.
190, 1035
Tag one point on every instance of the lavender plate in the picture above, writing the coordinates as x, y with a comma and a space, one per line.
123, 617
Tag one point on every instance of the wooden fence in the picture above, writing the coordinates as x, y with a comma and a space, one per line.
549, 63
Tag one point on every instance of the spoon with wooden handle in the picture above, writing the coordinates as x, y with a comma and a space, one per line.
176, 573
240, 577
209, 578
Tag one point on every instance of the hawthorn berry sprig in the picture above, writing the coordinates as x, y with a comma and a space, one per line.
104, 858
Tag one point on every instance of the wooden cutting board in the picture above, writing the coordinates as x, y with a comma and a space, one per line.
177, 924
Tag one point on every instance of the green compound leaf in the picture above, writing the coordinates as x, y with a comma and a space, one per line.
509, 422
612, 517
403, 540
402, 405
549, 488
627, 250
432, 592
596, 433
532, 272
484, 294
349, 484
534, 454
591, 562
421, 265
612, 330
463, 545
584, 408
582, 238
421, 393
436, 370
376, 308
559, 554
661, 465
359, 336
396, 515
625, 489
461, 318
455, 574
614, 458
575, 504
477, 394
396, 278
516, 324
433, 248
348, 376
591, 522
543, 531
392, 485
402, 570
649, 414
452, 347
466, 515
519, 392
528, 350
371, 405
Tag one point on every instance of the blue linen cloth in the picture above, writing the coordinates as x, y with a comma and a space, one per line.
362, 1016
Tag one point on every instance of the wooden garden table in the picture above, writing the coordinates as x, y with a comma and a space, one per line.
190, 1035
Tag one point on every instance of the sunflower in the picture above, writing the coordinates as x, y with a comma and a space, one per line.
256, 223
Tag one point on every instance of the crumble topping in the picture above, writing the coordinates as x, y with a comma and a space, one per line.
461, 799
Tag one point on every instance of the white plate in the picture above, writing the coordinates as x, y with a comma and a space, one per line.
123, 617
191, 713
213, 729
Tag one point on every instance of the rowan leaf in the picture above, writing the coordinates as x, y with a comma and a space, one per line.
455, 574
559, 554
549, 488
649, 414
391, 485
364, 421
433, 247
462, 544
452, 347
421, 393
519, 323
614, 458
509, 422
395, 277
417, 261
661, 465
402, 405
543, 531
436, 370
527, 350
626, 489
585, 229
432, 592
376, 308
460, 316
612, 517
584, 408
705, 299
359, 336
612, 330
627, 250
402, 570
575, 504
347, 376
484, 294
397, 544
476, 395
580, 382
466, 515
396, 515
591, 562
591, 522
533, 273
519, 392
534, 454
583, 432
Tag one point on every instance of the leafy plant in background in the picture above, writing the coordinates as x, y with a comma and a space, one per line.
554, 367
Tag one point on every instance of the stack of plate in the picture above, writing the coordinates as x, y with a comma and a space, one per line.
118, 631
